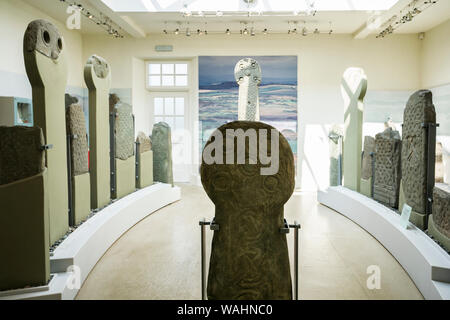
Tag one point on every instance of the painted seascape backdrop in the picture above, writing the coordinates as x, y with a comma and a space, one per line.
218, 94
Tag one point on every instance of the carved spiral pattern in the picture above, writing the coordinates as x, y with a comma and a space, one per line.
249, 257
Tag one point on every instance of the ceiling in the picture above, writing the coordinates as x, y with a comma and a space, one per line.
141, 22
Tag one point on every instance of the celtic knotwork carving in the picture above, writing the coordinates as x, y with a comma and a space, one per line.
124, 131
441, 208
387, 167
76, 128
419, 110
249, 257
21, 153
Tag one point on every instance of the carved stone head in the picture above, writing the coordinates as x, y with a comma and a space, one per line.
43, 37
247, 67
101, 67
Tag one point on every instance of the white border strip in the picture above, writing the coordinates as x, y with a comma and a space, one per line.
413, 249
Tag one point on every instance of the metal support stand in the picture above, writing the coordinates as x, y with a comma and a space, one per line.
285, 229
215, 227
138, 160
69, 179
112, 153
431, 163
372, 184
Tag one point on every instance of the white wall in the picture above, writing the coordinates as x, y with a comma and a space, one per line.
15, 15
392, 63
435, 59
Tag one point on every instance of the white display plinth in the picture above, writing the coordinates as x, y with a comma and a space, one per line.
424, 260
87, 244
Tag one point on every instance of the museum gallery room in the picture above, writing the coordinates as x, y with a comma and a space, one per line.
225, 150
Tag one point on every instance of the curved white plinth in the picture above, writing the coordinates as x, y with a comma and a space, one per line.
426, 262
87, 244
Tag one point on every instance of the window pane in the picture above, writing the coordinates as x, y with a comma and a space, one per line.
158, 119
179, 106
154, 81
169, 121
167, 80
179, 124
167, 68
181, 80
168, 106
154, 68
178, 153
159, 106
181, 68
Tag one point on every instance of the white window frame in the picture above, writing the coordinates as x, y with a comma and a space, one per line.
167, 88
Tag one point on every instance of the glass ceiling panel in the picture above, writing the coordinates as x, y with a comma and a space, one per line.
240, 5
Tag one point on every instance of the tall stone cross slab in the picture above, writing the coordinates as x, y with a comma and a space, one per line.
353, 88
248, 75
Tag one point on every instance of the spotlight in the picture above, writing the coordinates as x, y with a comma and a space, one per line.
199, 32
188, 32
228, 32
304, 32
219, 13
177, 31
252, 33
165, 31
264, 31
200, 13
316, 31
245, 31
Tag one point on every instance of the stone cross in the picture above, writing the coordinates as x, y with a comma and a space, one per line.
249, 255
248, 75
418, 155
353, 88
46, 66
439, 221
97, 76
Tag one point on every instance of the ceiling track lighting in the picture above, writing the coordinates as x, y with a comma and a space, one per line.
407, 14
99, 19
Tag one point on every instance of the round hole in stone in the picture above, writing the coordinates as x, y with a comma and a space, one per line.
60, 44
46, 37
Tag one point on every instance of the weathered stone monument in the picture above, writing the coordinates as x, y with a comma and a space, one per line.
249, 255
162, 153
46, 67
97, 76
248, 75
80, 184
388, 147
335, 148
366, 166
24, 215
418, 156
439, 221
125, 161
353, 88
144, 160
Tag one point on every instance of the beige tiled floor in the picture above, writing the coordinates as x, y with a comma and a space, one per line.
159, 258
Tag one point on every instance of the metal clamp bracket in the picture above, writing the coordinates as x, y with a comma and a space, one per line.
47, 147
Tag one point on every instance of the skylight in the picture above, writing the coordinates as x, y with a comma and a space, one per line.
241, 5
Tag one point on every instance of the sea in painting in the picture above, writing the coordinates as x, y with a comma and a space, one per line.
218, 94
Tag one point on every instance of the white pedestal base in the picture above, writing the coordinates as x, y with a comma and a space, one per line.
87, 244
425, 261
